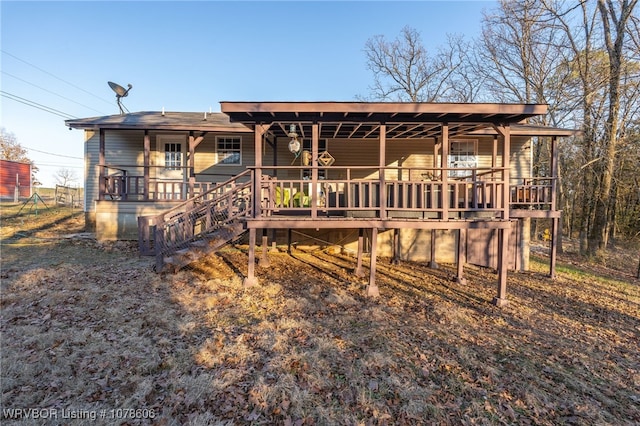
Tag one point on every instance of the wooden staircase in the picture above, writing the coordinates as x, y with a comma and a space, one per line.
197, 227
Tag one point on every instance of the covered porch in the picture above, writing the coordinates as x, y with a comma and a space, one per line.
389, 195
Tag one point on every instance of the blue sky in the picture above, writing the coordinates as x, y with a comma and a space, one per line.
189, 56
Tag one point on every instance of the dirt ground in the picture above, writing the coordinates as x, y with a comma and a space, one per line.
91, 335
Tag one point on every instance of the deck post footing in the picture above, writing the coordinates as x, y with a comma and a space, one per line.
263, 262
373, 291
250, 282
500, 302
461, 280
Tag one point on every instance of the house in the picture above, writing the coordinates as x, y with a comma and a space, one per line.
436, 182
15, 179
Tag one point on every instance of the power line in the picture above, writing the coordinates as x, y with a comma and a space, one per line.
51, 153
49, 91
55, 76
47, 165
36, 105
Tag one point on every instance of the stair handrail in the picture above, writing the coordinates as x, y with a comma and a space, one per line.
203, 195
153, 226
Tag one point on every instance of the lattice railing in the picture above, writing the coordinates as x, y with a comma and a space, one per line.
199, 218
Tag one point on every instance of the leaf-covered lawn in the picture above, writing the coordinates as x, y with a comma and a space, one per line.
89, 326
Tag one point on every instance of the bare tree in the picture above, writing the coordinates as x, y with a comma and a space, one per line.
614, 23
403, 69
66, 177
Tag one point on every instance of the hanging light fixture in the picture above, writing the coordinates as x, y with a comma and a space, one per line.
294, 143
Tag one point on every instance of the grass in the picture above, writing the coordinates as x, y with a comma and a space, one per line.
88, 326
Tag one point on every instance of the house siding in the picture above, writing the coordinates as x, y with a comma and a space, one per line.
207, 168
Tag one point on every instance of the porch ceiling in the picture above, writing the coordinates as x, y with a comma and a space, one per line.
363, 119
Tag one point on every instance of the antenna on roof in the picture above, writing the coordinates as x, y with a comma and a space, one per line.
121, 92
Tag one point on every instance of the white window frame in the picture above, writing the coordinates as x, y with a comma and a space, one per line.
219, 152
452, 162
173, 159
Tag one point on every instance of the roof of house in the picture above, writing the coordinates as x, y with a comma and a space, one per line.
157, 120
267, 112
404, 120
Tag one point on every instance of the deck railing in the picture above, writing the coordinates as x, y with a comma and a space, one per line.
533, 193
357, 190
132, 188
409, 192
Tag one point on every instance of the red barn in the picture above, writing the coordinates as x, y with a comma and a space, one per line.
15, 174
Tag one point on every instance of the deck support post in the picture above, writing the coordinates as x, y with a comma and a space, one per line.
503, 259
462, 257
264, 259
289, 232
554, 247
433, 264
555, 228
396, 246
251, 280
358, 272
372, 288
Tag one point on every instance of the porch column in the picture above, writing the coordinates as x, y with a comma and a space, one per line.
259, 130
494, 163
315, 131
382, 165
494, 152
192, 165
372, 289
444, 162
146, 159
102, 189
555, 222
503, 233
506, 153
433, 264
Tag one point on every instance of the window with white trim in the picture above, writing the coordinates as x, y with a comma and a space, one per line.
229, 150
463, 154
173, 156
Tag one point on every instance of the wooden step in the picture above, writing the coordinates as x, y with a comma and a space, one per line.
197, 249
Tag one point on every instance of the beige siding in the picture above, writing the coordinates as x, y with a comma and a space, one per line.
91, 169
520, 158
206, 158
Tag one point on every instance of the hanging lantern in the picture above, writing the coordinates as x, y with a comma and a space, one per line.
294, 143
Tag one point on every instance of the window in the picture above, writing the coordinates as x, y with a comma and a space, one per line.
173, 156
229, 150
463, 154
